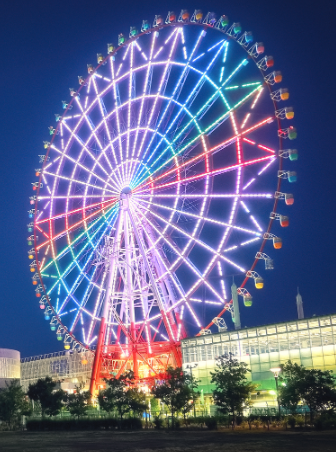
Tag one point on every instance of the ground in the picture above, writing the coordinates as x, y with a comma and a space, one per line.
154, 441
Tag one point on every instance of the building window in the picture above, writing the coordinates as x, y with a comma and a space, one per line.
292, 327
313, 323
281, 328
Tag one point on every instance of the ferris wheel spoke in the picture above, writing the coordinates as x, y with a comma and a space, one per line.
71, 266
115, 178
67, 249
180, 83
71, 244
200, 196
254, 179
213, 261
194, 95
163, 139
184, 259
181, 259
66, 231
208, 104
145, 92
78, 164
213, 97
59, 176
197, 241
189, 100
72, 292
178, 87
208, 130
75, 211
209, 173
85, 299
74, 263
161, 88
226, 115
214, 149
131, 95
103, 112
192, 312
200, 217
89, 122
260, 146
85, 147
116, 96
70, 295
152, 248
47, 197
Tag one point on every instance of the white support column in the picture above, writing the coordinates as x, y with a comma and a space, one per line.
112, 270
236, 312
128, 260
152, 281
129, 281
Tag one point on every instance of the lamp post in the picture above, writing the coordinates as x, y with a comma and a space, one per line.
191, 368
276, 371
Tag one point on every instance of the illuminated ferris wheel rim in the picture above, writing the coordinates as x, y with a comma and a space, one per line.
91, 106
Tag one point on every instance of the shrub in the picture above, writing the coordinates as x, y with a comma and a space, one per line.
211, 423
284, 423
198, 420
256, 423
174, 423
83, 424
318, 423
244, 424
299, 421
325, 421
158, 422
239, 420
132, 423
291, 421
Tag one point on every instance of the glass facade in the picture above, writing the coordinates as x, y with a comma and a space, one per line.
310, 342
66, 367
9, 365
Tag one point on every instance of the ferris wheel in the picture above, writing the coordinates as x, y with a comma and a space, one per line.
160, 181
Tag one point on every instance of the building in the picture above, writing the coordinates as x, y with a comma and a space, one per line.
69, 368
9, 366
310, 342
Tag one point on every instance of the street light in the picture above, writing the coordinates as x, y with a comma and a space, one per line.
276, 371
191, 368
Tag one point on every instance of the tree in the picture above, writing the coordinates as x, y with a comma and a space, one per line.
113, 398
190, 400
13, 404
289, 398
51, 400
233, 391
177, 390
136, 400
122, 396
155, 407
315, 387
78, 402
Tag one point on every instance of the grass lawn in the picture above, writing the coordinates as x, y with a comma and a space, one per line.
148, 441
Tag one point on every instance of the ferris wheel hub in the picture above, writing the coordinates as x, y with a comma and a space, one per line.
126, 191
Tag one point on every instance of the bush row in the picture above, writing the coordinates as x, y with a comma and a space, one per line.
83, 424
322, 422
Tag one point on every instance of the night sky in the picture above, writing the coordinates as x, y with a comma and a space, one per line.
46, 45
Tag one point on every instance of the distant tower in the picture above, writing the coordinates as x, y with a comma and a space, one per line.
299, 305
236, 313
